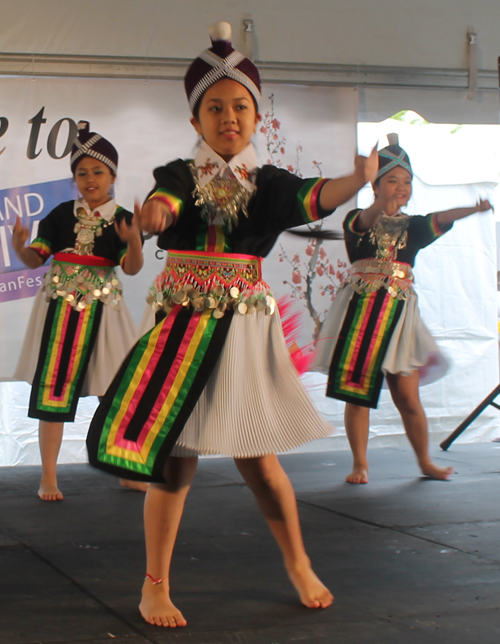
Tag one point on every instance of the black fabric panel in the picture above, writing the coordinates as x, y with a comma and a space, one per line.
331, 390
158, 377
368, 334
53, 416
273, 208
210, 359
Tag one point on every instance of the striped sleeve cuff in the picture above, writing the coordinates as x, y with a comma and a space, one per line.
308, 197
174, 204
42, 247
350, 223
121, 257
436, 229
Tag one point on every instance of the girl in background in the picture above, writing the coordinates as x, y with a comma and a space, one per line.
80, 328
373, 329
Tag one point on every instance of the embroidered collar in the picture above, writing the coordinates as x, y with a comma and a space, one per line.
243, 166
106, 211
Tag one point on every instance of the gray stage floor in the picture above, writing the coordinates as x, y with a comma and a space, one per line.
410, 561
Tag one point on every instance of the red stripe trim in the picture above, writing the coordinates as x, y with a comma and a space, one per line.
435, 227
353, 221
314, 205
177, 364
76, 349
155, 356
374, 341
359, 339
57, 364
212, 238
211, 255
83, 260
43, 254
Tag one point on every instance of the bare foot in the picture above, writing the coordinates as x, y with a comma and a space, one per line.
140, 486
157, 608
312, 592
433, 471
49, 492
359, 474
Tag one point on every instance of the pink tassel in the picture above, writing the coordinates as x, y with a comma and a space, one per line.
301, 360
302, 357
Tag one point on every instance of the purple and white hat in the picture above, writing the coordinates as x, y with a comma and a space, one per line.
91, 144
391, 156
218, 62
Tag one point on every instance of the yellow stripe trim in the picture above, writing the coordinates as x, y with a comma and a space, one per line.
220, 240
371, 366
46, 400
134, 383
142, 456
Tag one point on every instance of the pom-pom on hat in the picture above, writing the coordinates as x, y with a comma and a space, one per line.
91, 144
391, 156
220, 61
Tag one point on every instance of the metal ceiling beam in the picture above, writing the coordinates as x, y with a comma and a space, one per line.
12, 64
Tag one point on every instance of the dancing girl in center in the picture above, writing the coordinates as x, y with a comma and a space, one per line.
214, 375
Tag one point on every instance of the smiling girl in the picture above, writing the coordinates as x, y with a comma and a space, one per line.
80, 328
214, 376
373, 329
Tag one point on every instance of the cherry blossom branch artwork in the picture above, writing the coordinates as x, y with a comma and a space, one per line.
315, 277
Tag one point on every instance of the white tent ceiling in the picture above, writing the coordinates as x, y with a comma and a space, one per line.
401, 55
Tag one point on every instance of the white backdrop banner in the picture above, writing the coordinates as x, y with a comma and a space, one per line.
310, 131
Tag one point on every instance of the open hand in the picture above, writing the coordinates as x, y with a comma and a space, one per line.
20, 235
367, 167
482, 205
127, 232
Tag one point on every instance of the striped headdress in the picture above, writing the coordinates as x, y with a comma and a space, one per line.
91, 144
218, 62
391, 156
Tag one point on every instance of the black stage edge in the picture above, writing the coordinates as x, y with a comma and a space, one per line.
409, 560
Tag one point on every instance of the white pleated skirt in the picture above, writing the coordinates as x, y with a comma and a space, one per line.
254, 403
116, 336
411, 347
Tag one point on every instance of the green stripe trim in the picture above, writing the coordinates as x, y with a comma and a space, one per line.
380, 354
147, 467
53, 346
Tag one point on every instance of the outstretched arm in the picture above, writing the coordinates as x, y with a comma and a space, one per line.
449, 216
131, 235
28, 256
335, 192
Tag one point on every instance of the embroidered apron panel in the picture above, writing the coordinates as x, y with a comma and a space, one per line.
68, 338
355, 373
154, 393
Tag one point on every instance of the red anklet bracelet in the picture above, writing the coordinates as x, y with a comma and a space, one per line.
154, 581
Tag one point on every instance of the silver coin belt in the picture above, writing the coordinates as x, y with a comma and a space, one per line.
212, 284
82, 285
369, 275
